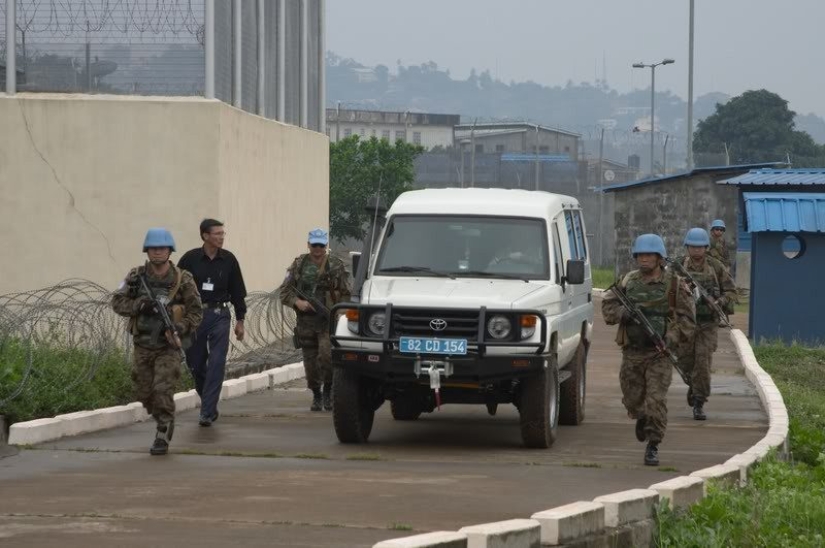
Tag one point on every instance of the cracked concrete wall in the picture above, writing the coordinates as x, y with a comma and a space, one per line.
83, 177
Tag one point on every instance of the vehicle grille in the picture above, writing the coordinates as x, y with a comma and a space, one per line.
416, 323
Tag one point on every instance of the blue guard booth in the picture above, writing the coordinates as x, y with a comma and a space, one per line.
787, 265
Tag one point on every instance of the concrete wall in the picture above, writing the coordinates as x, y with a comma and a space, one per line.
556, 143
83, 177
670, 209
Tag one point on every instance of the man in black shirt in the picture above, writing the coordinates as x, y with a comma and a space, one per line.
220, 282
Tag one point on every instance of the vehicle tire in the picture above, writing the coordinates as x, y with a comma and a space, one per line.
352, 413
574, 389
405, 409
539, 408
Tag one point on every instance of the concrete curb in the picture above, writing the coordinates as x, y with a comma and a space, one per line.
83, 422
627, 518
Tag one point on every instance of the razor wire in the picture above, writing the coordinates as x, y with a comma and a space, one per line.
60, 336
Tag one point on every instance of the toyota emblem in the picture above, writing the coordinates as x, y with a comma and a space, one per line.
438, 324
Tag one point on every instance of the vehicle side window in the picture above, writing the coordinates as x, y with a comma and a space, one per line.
571, 235
557, 258
580, 239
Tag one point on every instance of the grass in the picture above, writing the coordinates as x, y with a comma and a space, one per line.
400, 527
64, 379
602, 277
783, 503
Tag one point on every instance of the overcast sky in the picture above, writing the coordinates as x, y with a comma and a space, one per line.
739, 44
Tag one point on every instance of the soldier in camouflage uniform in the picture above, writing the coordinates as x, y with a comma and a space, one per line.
320, 277
718, 246
645, 372
717, 282
157, 359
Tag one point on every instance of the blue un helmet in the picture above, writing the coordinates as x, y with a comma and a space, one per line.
718, 223
697, 237
158, 237
649, 243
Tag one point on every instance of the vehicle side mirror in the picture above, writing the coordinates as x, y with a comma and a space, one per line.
575, 272
355, 257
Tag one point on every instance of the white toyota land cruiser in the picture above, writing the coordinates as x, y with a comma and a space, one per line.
468, 296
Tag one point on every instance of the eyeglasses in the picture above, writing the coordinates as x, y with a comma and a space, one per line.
318, 245
717, 229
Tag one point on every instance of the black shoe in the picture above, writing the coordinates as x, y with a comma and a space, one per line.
205, 421
160, 447
640, 429
215, 416
327, 400
316, 401
652, 454
699, 413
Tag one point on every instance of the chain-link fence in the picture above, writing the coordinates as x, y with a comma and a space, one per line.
268, 54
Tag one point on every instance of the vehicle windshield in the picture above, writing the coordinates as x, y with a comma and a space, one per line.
464, 246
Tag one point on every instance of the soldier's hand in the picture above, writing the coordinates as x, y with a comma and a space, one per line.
303, 306
239, 330
173, 339
145, 305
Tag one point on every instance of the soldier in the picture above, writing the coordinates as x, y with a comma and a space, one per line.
157, 354
717, 282
645, 371
314, 283
718, 246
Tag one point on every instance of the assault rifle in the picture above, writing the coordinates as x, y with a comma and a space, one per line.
317, 305
160, 306
696, 286
639, 318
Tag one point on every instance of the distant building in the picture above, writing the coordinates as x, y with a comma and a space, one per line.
612, 173
521, 137
427, 130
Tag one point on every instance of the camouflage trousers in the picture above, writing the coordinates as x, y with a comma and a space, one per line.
697, 364
155, 374
645, 378
317, 351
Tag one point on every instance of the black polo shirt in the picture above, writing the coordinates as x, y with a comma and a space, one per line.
222, 276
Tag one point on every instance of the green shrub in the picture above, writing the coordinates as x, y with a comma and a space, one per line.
63, 380
783, 503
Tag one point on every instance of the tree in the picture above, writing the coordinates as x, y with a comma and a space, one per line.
756, 126
356, 171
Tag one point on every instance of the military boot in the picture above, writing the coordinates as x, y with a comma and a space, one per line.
163, 436
698, 412
316, 400
652, 454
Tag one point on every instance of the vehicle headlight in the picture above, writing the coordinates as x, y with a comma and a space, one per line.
499, 327
376, 324
352, 320
528, 326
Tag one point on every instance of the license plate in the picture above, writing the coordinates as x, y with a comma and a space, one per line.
422, 345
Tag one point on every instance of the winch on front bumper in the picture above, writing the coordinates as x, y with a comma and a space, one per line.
399, 344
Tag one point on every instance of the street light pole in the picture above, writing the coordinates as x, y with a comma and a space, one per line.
652, 100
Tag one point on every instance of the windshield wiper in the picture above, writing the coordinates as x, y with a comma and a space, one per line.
423, 269
485, 274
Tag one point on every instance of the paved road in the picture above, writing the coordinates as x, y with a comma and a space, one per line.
270, 473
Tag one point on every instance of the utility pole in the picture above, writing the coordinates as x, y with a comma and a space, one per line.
690, 94
537, 156
601, 196
11, 47
473, 157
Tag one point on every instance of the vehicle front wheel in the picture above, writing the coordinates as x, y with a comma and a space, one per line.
539, 407
353, 411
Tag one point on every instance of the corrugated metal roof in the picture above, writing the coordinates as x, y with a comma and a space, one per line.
779, 177
695, 171
785, 211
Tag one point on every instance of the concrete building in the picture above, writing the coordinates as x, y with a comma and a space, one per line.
523, 137
427, 130
670, 205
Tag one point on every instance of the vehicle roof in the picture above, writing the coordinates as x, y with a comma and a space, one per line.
482, 201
